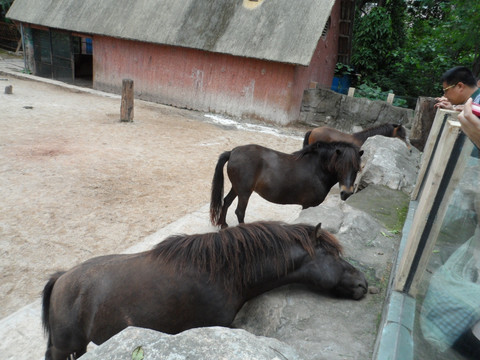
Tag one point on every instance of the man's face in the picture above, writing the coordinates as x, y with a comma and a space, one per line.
454, 93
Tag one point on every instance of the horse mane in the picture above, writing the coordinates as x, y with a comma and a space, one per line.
328, 242
338, 160
384, 129
244, 251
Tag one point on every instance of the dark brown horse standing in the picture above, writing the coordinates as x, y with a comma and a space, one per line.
304, 177
327, 134
190, 281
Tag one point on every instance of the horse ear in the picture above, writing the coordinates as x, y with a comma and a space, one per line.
361, 153
317, 230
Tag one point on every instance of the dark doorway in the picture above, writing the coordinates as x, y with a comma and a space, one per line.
52, 54
83, 60
59, 55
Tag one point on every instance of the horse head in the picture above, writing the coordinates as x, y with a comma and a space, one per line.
346, 164
400, 132
340, 159
352, 283
328, 270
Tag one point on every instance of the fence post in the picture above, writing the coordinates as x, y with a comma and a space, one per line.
425, 112
126, 108
390, 98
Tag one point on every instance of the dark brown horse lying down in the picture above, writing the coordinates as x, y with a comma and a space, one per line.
190, 281
328, 135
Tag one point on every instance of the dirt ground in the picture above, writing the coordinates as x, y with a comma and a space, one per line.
77, 183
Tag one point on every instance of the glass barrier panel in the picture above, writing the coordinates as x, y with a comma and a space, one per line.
447, 318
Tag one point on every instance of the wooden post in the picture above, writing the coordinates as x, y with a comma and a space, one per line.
390, 98
126, 109
18, 46
422, 122
429, 146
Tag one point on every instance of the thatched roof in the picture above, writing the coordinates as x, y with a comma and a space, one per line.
277, 30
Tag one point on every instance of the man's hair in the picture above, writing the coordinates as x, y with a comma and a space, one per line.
459, 74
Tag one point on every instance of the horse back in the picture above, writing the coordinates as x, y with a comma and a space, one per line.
104, 295
257, 154
263, 170
330, 135
249, 162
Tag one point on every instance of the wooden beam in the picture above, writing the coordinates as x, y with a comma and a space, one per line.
431, 144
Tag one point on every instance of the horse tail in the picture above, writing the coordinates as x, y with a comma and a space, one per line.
305, 139
216, 200
47, 293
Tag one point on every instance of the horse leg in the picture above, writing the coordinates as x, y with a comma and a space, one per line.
241, 207
53, 353
80, 353
227, 201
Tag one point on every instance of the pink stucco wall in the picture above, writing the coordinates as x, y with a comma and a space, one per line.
211, 82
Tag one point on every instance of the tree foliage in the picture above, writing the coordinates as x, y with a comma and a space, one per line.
406, 45
373, 41
4, 6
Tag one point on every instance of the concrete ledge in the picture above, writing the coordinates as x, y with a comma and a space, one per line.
396, 342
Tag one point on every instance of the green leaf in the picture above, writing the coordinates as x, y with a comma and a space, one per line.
137, 354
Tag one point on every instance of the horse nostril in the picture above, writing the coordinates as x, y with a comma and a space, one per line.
344, 195
364, 286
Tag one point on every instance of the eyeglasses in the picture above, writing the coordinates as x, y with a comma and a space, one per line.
449, 87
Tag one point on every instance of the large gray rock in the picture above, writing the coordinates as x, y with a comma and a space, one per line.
213, 343
318, 326
368, 226
388, 161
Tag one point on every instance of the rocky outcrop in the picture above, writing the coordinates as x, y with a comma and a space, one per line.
214, 343
388, 161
